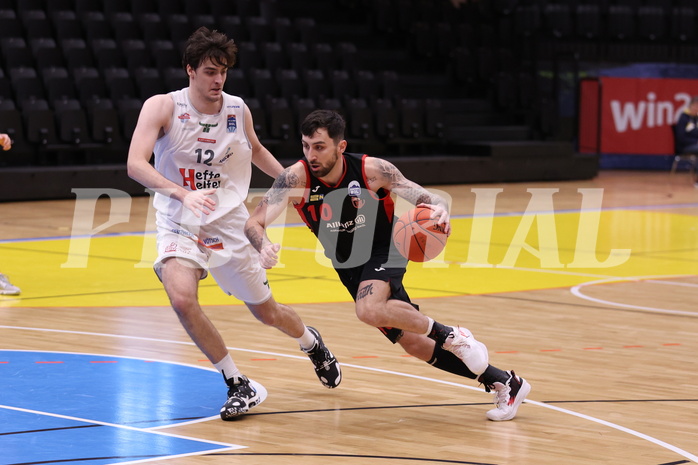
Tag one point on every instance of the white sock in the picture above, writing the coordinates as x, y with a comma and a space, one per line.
430, 327
227, 367
307, 340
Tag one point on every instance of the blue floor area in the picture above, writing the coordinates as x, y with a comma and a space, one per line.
77, 408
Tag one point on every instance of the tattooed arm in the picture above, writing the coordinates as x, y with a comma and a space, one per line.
383, 174
288, 187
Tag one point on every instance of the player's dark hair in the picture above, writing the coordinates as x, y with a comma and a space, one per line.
205, 43
329, 120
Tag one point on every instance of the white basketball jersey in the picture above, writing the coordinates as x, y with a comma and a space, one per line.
202, 152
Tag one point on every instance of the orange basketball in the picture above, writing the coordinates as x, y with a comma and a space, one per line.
417, 237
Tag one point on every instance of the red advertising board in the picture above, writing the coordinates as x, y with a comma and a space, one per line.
635, 114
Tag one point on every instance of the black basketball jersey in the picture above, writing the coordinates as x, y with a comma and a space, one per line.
350, 220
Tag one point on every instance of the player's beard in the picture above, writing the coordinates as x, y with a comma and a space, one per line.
324, 169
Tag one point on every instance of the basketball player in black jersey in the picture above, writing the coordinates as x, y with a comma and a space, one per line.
345, 200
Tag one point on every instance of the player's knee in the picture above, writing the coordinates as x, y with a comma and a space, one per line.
368, 314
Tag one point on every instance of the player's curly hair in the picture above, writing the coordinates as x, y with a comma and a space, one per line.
205, 43
324, 119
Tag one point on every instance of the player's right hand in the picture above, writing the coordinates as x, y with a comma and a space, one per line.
200, 201
268, 256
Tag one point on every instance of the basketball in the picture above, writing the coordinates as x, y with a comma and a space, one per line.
417, 237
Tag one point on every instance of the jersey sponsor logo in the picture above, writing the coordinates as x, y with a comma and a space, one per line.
200, 179
228, 154
316, 197
207, 126
208, 141
232, 124
184, 117
346, 226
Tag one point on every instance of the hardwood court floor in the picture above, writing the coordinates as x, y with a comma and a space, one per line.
586, 289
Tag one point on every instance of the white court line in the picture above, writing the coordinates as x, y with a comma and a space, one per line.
615, 426
577, 291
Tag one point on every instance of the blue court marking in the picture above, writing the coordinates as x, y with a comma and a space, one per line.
98, 409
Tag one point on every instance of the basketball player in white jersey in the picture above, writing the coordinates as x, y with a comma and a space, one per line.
204, 143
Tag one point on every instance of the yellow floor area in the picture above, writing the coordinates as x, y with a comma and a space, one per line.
483, 255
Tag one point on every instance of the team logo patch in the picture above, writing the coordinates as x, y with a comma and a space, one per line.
184, 117
232, 123
354, 189
207, 126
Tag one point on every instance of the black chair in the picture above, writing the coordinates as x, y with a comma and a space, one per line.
71, 122
412, 122
95, 26
683, 156
66, 24
249, 57
116, 6
58, 84
180, 27
316, 84
119, 83
302, 107
348, 55
386, 119
137, 54
164, 54
11, 124
46, 53
360, 119
284, 32
367, 85
128, 110
259, 119
174, 78
205, 20
89, 83
281, 120
290, 85
621, 22
260, 30
76, 53
299, 56
148, 82
683, 21
9, 24
104, 121
527, 21
342, 84
16, 53
558, 20
26, 84
650, 23
107, 54
235, 28
220, 8
588, 21
307, 29
5, 87
325, 58
263, 83
274, 56
140, 7
88, 5
196, 7
152, 27
125, 26
236, 83
39, 122
35, 23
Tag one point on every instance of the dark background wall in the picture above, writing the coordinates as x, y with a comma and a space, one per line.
480, 91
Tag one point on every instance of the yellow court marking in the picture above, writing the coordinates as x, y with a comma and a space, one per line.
508, 253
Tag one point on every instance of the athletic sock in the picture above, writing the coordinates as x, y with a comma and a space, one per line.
227, 368
439, 333
307, 340
448, 361
492, 375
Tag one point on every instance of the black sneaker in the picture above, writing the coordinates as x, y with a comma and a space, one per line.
242, 396
326, 365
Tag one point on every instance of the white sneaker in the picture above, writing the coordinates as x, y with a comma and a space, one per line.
473, 353
508, 397
6, 288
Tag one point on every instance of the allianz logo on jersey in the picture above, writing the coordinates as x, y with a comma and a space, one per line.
347, 226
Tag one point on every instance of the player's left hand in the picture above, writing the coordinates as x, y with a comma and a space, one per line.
440, 215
